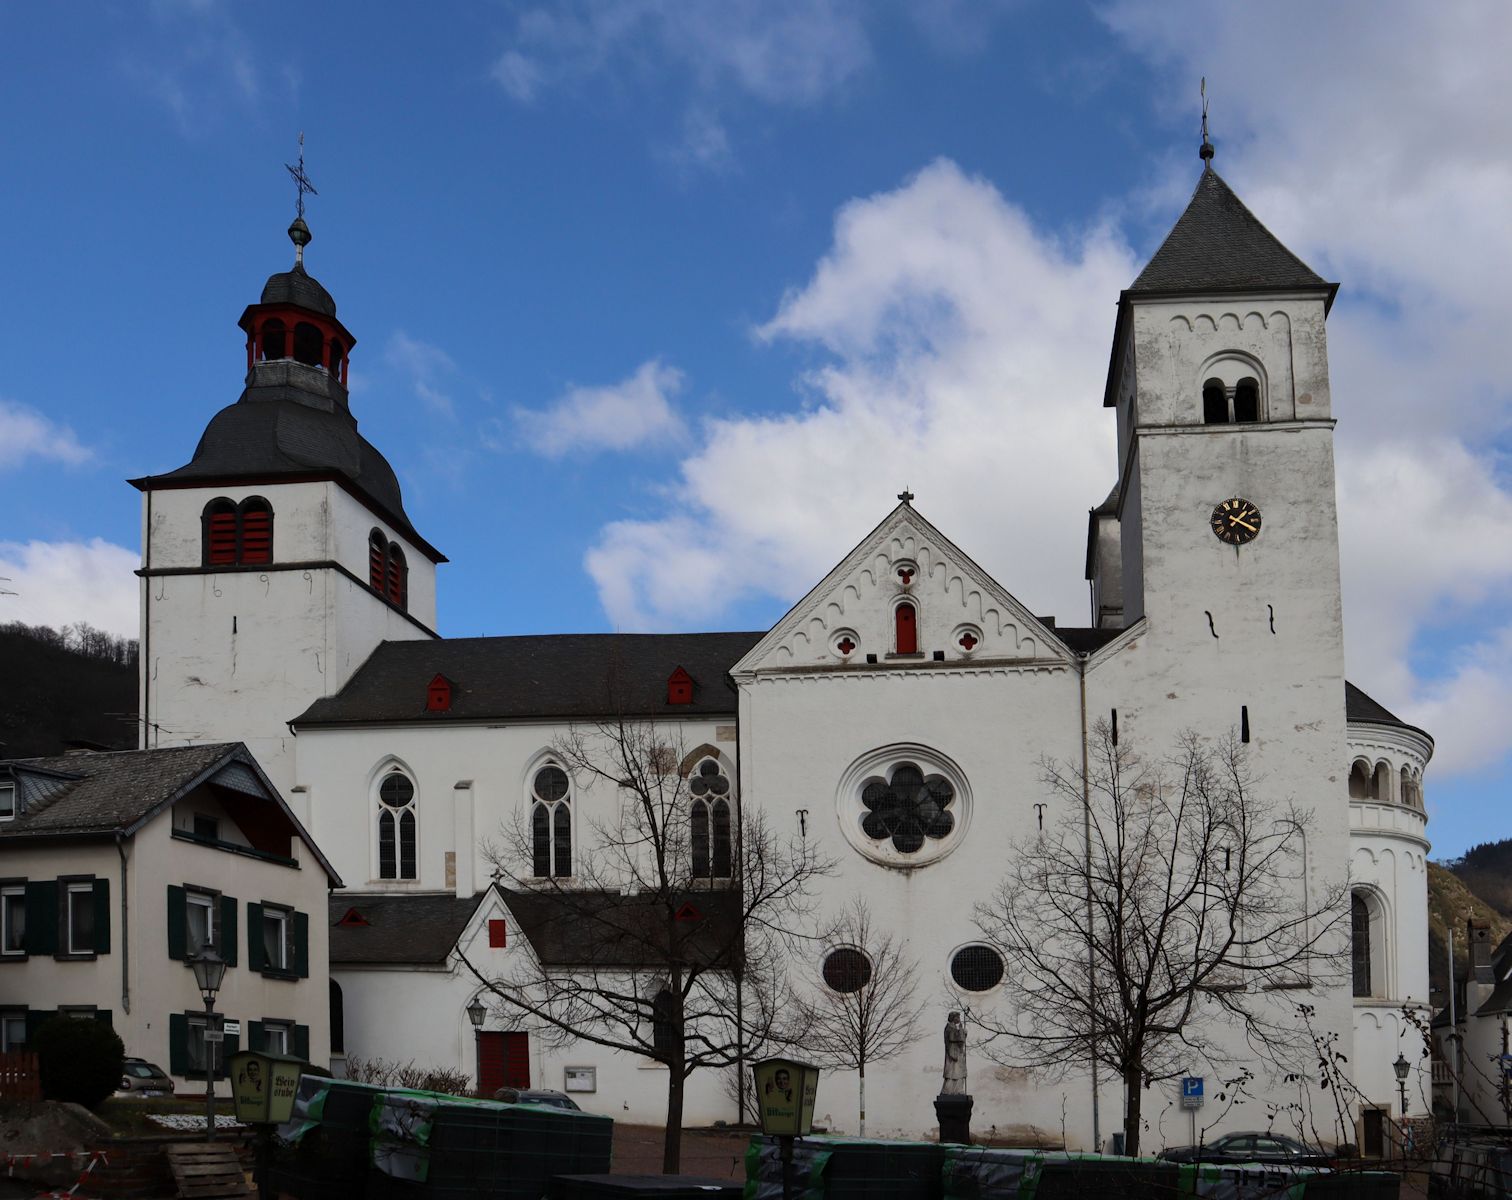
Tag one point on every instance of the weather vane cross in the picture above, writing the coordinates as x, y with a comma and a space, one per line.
1206, 153
301, 180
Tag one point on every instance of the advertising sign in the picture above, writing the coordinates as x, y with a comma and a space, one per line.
263, 1086
785, 1094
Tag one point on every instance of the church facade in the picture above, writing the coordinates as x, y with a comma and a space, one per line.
899, 717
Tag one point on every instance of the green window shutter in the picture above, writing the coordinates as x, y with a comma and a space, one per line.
102, 916
36, 1018
42, 917
228, 936
104, 1015
302, 945
255, 1036
256, 959
178, 921
300, 1042
178, 1044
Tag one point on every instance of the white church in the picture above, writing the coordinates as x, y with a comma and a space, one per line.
900, 712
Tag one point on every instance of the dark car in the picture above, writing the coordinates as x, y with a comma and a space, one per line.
1247, 1148
536, 1096
142, 1078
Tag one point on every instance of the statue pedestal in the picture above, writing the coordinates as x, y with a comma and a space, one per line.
954, 1115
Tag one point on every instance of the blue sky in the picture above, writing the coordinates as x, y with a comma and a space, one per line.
658, 304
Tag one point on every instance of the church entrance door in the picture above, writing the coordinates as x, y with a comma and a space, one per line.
503, 1061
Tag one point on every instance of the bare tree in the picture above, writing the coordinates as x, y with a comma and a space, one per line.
865, 1011
1166, 918
669, 933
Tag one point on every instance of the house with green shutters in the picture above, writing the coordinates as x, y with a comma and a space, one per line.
117, 868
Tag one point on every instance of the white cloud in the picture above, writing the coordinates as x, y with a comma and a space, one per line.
193, 57
966, 354
778, 51
428, 368
60, 583
635, 412
25, 433
704, 143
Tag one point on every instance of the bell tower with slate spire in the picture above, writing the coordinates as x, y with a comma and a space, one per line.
280, 555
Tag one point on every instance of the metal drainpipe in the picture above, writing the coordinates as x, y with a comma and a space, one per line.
120, 842
1087, 871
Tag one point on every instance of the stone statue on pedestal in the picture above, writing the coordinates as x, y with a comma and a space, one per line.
955, 1057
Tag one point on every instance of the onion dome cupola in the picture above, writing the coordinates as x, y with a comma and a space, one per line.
292, 421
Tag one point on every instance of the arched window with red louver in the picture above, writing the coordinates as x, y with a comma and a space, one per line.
398, 576
378, 561
237, 535
906, 625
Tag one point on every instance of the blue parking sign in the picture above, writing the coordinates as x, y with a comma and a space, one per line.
1191, 1091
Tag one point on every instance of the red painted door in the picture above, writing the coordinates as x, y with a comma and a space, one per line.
503, 1061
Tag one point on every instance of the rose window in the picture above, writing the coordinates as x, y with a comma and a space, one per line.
909, 808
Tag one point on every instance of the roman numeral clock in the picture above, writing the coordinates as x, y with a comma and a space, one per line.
1236, 521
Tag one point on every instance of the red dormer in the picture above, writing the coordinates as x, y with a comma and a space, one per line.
679, 687
352, 918
438, 695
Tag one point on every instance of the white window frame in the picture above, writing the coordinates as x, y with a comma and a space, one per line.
210, 902
283, 1031
8, 894
7, 1016
285, 919
79, 888
7, 802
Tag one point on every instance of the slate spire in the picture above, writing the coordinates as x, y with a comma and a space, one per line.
1219, 245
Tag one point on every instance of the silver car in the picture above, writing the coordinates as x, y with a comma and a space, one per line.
142, 1078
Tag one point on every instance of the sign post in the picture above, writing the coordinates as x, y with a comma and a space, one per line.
1192, 1099
262, 1089
785, 1093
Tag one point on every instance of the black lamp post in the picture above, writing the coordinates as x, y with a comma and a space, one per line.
209, 969
1403, 1068
475, 1013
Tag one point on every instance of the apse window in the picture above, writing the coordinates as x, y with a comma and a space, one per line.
976, 968
551, 823
396, 827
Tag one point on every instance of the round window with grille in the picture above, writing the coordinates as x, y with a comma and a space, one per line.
977, 968
396, 790
904, 805
847, 970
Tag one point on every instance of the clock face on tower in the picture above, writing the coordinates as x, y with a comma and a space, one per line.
1236, 522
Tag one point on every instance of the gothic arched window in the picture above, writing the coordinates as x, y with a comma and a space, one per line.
551, 823
710, 817
397, 830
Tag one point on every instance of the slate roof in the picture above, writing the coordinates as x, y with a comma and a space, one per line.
547, 675
1219, 245
400, 929
609, 930
579, 929
109, 791
1085, 640
298, 287
1360, 709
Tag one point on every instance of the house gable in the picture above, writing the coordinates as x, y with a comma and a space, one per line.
851, 619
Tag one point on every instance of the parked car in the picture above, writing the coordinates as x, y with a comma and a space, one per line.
142, 1078
1249, 1147
536, 1096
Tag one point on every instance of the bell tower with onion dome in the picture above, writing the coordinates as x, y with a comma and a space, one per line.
280, 555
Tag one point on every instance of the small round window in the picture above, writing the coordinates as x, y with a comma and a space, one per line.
551, 784
846, 970
396, 790
977, 968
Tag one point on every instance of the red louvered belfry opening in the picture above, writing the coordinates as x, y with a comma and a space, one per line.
256, 535
907, 628
396, 575
503, 1061
377, 561
221, 537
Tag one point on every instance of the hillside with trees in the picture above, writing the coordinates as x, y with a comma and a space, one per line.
65, 688
1455, 895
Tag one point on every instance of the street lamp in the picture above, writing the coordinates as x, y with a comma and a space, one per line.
209, 969
1403, 1068
475, 1013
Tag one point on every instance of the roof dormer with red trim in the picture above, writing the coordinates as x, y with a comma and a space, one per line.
438, 694
679, 687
